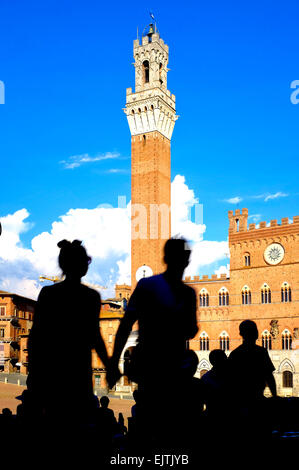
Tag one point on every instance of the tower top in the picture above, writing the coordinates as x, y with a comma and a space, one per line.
152, 106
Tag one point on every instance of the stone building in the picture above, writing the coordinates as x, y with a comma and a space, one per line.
16, 316
262, 286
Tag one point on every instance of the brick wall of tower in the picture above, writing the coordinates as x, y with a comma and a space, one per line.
150, 184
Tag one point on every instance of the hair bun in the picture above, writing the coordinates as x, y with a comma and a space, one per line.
63, 243
76, 243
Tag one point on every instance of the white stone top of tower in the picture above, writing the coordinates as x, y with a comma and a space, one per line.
152, 106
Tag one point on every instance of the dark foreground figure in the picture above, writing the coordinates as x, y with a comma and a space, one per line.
165, 309
65, 330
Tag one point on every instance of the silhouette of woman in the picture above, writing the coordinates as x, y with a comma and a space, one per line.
64, 332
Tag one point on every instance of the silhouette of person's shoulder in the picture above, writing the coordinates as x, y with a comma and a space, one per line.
151, 281
59, 288
253, 354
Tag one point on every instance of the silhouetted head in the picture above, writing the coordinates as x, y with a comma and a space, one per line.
217, 358
6, 412
176, 255
248, 331
73, 259
104, 402
190, 363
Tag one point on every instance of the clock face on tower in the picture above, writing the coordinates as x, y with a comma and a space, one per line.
274, 253
143, 271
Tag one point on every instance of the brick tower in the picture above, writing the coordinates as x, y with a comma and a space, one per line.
151, 116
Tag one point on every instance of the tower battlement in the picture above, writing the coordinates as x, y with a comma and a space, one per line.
238, 222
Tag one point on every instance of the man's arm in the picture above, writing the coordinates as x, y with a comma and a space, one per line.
97, 339
101, 350
122, 335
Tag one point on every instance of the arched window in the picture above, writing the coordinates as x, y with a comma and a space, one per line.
145, 66
286, 293
265, 294
204, 342
267, 340
286, 340
160, 73
246, 296
203, 298
223, 296
247, 259
287, 379
224, 341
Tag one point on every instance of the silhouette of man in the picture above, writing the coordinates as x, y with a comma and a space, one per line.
250, 365
165, 309
250, 370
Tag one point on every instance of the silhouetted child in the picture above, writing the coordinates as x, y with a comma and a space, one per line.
214, 383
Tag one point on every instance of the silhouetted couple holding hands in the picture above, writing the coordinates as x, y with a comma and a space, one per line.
66, 330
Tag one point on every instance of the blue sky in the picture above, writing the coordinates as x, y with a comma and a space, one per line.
66, 66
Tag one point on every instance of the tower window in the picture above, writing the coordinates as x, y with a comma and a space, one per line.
160, 73
145, 71
247, 260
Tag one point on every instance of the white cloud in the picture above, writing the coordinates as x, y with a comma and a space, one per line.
77, 160
105, 232
268, 197
234, 200
275, 196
